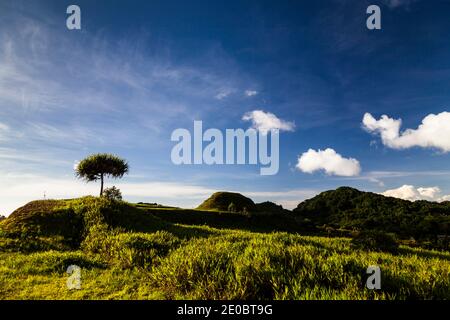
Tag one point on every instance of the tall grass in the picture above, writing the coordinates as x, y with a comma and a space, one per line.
127, 253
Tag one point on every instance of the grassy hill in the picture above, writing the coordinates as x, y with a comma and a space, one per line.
146, 251
220, 201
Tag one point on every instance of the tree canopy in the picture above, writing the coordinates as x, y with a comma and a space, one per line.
353, 209
98, 166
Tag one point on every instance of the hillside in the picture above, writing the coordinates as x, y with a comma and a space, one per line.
171, 253
268, 207
353, 209
64, 224
220, 201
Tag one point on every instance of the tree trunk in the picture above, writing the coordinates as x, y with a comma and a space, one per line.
101, 185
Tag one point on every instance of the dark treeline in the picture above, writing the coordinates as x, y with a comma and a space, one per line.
351, 209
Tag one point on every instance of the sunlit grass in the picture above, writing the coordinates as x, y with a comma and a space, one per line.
225, 264
128, 253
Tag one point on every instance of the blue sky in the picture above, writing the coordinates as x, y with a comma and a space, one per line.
137, 70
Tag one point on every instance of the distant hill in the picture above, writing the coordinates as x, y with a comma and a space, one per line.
270, 207
353, 209
337, 212
220, 201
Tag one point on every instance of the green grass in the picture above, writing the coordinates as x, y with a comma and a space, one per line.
130, 252
220, 201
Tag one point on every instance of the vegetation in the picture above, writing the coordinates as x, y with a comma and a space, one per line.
101, 165
376, 241
149, 251
351, 209
268, 207
112, 193
221, 201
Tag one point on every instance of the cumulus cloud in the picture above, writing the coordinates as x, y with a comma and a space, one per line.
251, 93
430, 192
266, 121
433, 132
330, 161
411, 193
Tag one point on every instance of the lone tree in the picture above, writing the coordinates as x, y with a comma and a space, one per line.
101, 165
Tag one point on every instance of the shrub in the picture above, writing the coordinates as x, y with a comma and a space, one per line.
375, 241
112, 193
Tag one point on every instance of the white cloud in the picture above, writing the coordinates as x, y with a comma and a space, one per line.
222, 94
434, 132
411, 193
430, 192
266, 121
251, 93
330, 161
379, 182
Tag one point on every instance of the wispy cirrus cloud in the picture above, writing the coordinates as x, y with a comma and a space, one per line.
44, 73
250, 93
63, 96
